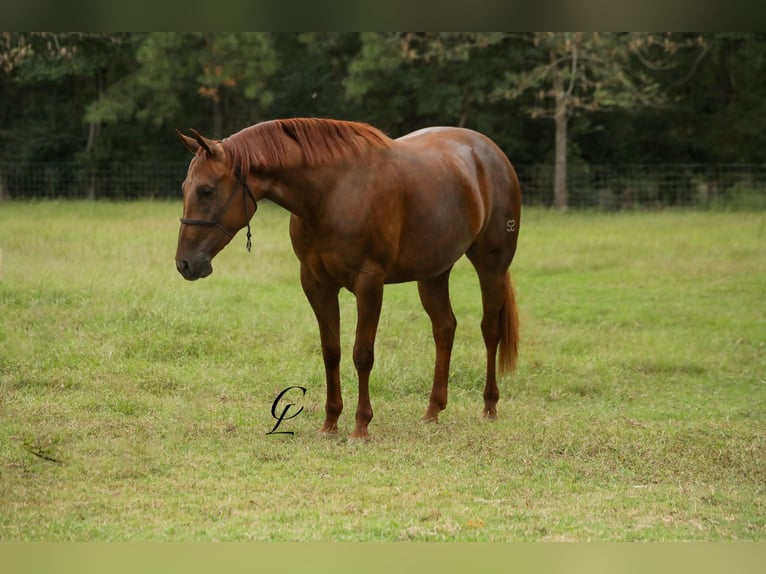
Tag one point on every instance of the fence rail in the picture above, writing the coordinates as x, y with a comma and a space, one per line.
607, 187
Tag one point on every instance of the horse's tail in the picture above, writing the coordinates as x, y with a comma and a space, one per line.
509, 330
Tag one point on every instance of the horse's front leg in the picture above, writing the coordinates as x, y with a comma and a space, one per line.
368, 289
324, 302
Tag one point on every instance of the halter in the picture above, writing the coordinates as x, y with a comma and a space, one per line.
214, 222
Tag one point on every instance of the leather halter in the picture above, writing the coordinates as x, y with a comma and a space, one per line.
215, 223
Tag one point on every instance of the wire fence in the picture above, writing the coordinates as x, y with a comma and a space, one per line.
73, 180
604, 187
619, 187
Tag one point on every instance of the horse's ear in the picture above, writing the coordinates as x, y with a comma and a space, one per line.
203, 142
211, 147
190, 143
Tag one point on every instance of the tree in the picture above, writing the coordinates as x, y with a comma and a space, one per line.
587, 72
47, 79
107, 100
70, 65
723, 116
171, 67
408, 80
310, 78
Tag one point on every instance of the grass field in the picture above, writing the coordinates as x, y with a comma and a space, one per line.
136, 406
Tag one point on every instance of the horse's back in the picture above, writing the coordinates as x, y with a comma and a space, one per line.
470, 148
450, 137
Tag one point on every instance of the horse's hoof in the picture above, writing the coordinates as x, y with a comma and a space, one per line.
430, 419
331, 432
490, 415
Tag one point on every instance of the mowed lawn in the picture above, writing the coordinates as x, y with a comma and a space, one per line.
135, 405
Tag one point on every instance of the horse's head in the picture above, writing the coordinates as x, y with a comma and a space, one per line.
217, 203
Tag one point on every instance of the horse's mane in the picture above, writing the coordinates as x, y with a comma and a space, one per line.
262, 146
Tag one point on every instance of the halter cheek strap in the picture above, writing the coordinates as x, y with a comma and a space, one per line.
215, 223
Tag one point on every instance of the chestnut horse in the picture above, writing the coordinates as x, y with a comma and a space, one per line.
367, 210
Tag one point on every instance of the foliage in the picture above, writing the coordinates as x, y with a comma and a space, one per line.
589, 72
171, 66
49, 80
635, 98
594, 70
427, 78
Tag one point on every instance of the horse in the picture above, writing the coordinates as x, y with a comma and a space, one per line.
367, 210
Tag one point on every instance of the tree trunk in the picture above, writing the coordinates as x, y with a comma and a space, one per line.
560, 195
217, 117
464, 107
94, 129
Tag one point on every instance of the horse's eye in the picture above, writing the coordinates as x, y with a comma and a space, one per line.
205, 192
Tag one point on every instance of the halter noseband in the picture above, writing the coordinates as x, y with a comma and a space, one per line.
215, 223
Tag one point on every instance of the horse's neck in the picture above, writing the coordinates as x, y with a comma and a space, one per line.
301, 190
294, 191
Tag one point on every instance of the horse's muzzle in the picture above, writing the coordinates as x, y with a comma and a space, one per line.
194, 268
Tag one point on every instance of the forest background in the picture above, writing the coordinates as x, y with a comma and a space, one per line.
606, 119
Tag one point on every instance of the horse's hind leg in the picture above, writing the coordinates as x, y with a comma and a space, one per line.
499, 327
492, 290
434, 295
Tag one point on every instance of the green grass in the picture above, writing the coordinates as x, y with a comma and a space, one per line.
135, 405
